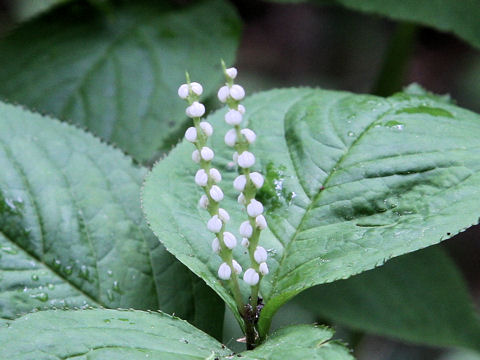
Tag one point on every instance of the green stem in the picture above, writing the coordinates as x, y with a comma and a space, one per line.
391, 76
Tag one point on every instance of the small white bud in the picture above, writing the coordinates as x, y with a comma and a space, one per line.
191, 134
195, 110
257, 179
229, 240
249, 135
251, 277
233, 117
183, 91
196, 156
235, 156
241, 199
240, 182
260, 254
223, 93
236, 267
245, 242
231, 137
203, 202
196, 88
224, 271
215, 175
223, 215
241, 109
201, 178
216, 193
207, 128
237, 92
214, 224
246, 159
255, 208
263, 268
231, 165
260, 222
216, 246
231, 73
245, 229
206, 153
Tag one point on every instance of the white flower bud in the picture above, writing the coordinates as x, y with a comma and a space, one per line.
216, 193
233, 117
223, 215
249, 135
224, 271
263, 268
236, 267
231, 165
215, 175
241, 109
260, 254
207, 128
240, 182
191, 134
260, 222
245, 242
223, 93
255, 208
237, 92
229, 240
231, 73
257, 179
231, 137
203, 202
196, 156
195, 110
216, 246
196, 88
246, 159
206, 153
235, 156
201, 178
245, 229
241, 199
251, 277
183, 91
214, 224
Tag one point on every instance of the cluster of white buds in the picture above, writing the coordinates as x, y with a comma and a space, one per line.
247, 183
208, 178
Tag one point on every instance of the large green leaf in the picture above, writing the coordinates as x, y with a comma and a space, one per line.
72, 232
419, 297
457, 16
105, 334
354, 180
115, 73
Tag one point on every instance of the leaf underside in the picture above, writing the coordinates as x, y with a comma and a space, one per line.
352, 181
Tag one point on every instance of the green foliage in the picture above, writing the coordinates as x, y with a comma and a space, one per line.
354, 186
115, 73
419, 297
72, 232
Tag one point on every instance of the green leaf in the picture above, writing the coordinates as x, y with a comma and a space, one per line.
419, 297
352, 181
105, 334
72, 232
460, 355
300, 342
115, 73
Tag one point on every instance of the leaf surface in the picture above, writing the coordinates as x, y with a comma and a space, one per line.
72, 232
352, 181
114, 73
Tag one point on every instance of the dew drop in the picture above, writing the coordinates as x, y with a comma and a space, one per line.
84, 272
43, 297
51, 286
9, 250
109, 272
106, 321
109, 295
116, 287
35, 277
351, 134
68, 270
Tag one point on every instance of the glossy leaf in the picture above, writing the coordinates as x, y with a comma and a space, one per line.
419, 297
114, 73
353, 180
72, 232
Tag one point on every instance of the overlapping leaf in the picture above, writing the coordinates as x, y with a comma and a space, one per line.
353, 181
72, 232
114, 72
